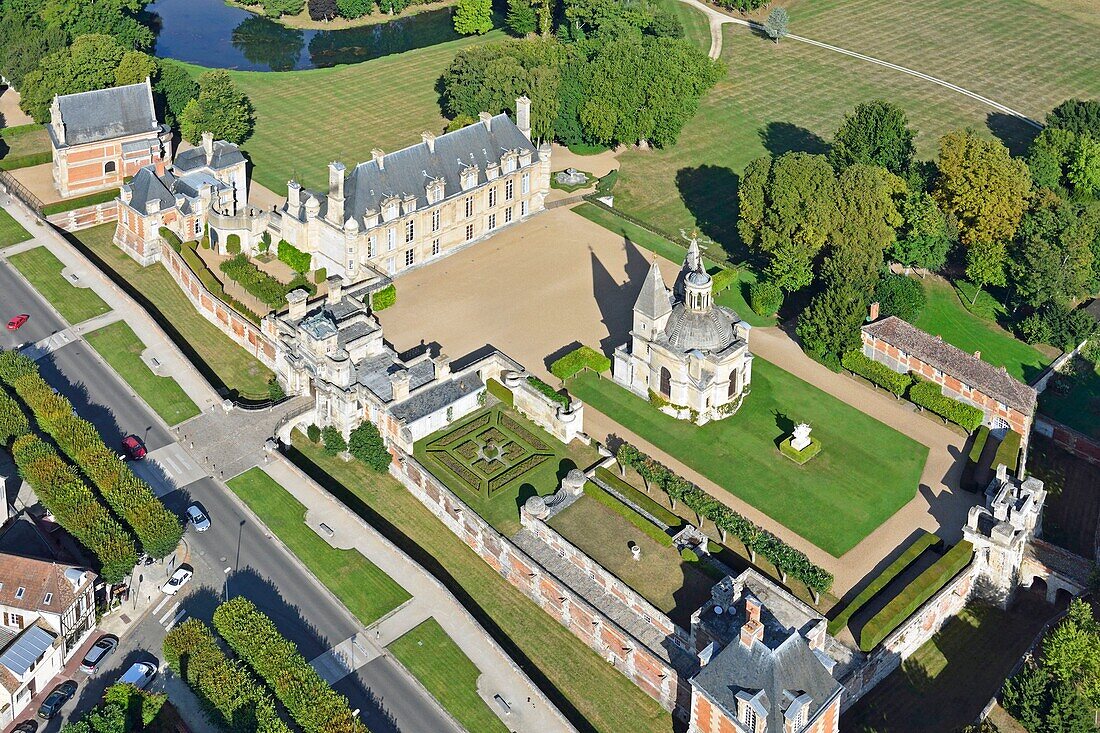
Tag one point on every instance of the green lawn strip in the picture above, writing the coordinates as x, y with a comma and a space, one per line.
945, 316
20, 146
580, 682
1079, 408
91, 199
434, 659
627, 512
43, 270
11, 231
366, 591
222, 361
121, 348
911, 553
926, 585
865, 472
640, 498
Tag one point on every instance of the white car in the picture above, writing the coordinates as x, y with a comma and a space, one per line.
140, 674
177, 581
198, 518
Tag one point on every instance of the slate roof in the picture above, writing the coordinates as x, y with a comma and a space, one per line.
37, 578
23, 653
147, 186
939, 354
653, 300
436, 398
226, 154
374, 373
105, 114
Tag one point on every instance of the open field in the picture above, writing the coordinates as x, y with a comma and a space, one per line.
946, 316
865, 472
11, 231
306, 119
121, 348
584, 687
366, 591
43, 270
434, 659
220, 360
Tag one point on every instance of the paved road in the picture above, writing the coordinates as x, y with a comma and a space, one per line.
261, 570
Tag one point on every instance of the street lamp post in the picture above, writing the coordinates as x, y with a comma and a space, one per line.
227, 582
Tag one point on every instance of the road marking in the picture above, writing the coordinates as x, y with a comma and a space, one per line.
176, 619
161, 604
171, 610
345, 658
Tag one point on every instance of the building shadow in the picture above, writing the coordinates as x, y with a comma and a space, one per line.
786, 137
710, 193
785, 426
616, 300
1016, 134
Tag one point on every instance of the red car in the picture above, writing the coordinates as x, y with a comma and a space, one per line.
16, 323
134, 448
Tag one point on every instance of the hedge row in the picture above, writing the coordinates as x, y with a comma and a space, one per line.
502, 393
647, 527
158, 529
724, 278
384, 298
232, 697
74, 506
298, 260
876, 373
911, 553
315, 706
549, 392
258, 283
210, 281
980, 439
786, 559
26, 161
923, 587
1008, 452
80, 202
169, 236
579, 359
13, 421
929, 396
638, 497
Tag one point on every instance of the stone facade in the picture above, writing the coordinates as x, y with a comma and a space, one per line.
103, 136
692, 354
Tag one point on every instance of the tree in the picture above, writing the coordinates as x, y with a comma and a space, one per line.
922, 240
333, 441
367, 445
776, 24
355, 8
1083, 171
277, 8
220, 108
323, 9
134, 68
985, 265
900, 296
473, 17
981, 186
1052, 258
1081, 117
1049, 155
1071, 651
521, 20
876, 133
173, 89
765, 298
89, 63
1024, 696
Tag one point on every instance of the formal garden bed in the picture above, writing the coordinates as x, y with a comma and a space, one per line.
495, 459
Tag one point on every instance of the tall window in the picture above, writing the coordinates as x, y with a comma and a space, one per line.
409, 257
523, 208
371, 250
508, 189
492, 197
750, 719
435, 247
469, 206
435, 220
391, 239
508, 215
666, 382
410, 231
469, 232
525, 183
492, 221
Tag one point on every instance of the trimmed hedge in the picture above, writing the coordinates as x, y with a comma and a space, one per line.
549, 392
675, 521
169, 236
929, 396
298, 260
1008, 452
231, 697
579, 359
876, 373
911, 553
765, 298
980, 439
647, 527
315, 706
233, 244
26, 161
321, 275
923, 587
210, 281
13, 421
80, 202
800, 456
502, 393
258, 283
721, 280
384, 298
74, 506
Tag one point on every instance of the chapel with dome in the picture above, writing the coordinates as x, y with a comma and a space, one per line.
686, 353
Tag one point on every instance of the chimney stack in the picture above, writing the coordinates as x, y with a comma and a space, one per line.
208, 146
442, 366
486, 119
873, 316
429, 140
379, 157
335, 289
399, 383
523, 116
753, 629
158, 166
293, 195
335, 211
296, 299
152, 206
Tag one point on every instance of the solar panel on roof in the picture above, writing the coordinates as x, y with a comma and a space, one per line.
26, 650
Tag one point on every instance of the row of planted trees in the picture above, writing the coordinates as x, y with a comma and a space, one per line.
757, 540
63, 490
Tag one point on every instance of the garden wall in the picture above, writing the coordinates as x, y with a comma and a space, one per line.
644, 668
565, 425
243, 332
85, 217
1069, 439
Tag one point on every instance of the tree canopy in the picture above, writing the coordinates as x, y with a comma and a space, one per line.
473, 17
220, 108
875, 133
1081, 117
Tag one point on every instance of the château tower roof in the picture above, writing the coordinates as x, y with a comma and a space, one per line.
653, 301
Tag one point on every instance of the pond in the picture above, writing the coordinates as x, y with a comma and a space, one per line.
211, 33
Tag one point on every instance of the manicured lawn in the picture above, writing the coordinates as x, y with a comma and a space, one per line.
43, 270
946, 316
220, 360
865, 472
550, 460
960, 668
586, 688
434, 659
366, 591
384, 103
121, 348
24, 146
11, 231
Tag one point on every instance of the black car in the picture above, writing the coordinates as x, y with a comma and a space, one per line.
27, 726
53, 703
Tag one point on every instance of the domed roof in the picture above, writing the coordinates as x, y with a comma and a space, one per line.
698, 277
709, 330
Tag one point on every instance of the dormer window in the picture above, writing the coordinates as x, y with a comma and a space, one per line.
508, 162
47, 599
390, 210
469, 178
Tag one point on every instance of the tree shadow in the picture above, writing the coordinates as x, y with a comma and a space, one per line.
1012, 131
710, 194
786, 137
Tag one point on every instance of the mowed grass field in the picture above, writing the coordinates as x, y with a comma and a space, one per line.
43, 270
307, 119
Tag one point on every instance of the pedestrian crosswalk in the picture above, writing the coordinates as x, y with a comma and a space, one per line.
172, 616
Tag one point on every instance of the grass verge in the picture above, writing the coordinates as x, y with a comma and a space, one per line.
11, 231
43, 270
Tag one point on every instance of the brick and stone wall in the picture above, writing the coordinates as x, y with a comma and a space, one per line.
1069, 439
243, 331
85, 217
565, 425
653, 675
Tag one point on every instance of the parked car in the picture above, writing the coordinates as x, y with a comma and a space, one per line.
99, 651
14, 325
178, 580
53, 703
198, 518
134, 448
140, 674
27, 726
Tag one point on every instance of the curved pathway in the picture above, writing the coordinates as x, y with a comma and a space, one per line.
717, 19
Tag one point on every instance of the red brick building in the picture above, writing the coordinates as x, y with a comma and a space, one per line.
1006, 401
103, 136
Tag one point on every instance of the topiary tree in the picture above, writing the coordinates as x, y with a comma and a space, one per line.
765, 298
313, 432
233, 244
368, 446
333, 440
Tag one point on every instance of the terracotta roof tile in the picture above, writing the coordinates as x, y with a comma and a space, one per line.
36, 578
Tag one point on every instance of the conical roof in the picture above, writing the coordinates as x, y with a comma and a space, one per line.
653, 300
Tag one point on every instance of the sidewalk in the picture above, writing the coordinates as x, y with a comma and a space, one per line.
499, 674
